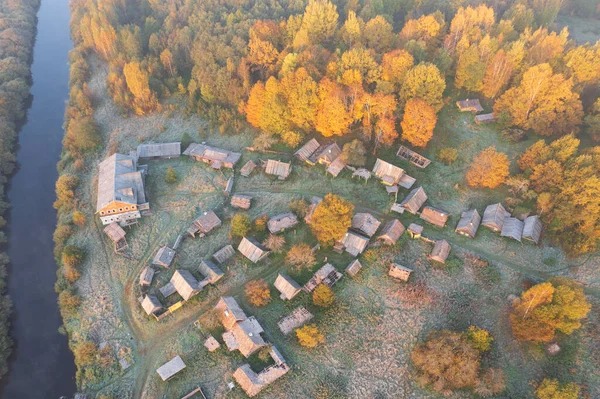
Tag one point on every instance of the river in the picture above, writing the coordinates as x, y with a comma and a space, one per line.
41, 365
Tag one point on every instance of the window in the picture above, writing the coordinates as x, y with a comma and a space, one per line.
120, 209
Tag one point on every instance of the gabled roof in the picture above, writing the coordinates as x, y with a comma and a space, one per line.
326, 153
354, 267
354, 243
206, 222
391, 232
210, 271
415, 228
512, 228
247, 335
434, 216
185, 284
307, 150
171, 368
336, 167
212, 153
440, 252
252, 250
224, 254
365, 223
248, 168
286, 286
119, 181
399, 271
151, 304
146, 275
470, 105
388, 173
278, 168
229, 311
114, 232
164, 257
493, 216
469, 223
414, 200
532, 229
159, 150
281, 222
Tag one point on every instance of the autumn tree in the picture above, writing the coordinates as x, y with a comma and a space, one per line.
497, 74
302, 98
331, 219
258, 292
255, 104
299, 207
426, 29
592, 122
470, 70
584, 64
79, 218
82, 136
480, 338
378, 34
395, 65
354, 153
171, 176
137, 80
544, 309
352, 29
68, 302
309, 336
418, 122
85, 353
300, 256
319, 22
488, 169
274, 243
425, 82
323, 296
332, 116
240, 225
550, 388
447, 155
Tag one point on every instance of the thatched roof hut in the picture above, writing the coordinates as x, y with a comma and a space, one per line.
399, 272
336, 167
512, 228
211, 344
437, 217
241, 201
307, 150
158, 150
286, 286
151, 304
440, 252
297, 318
354, 243
217, 158
414, 200
185, 284
327, 275
388, 173
169, 369
146, 276
470, 105
493, 217
281, 222
204, 224
468, 223
532, 229
211, 272
224, 254
485, 118
415, 230
277, 168
391, 232
252, 249
311, 209
353, 268
365, 223
248, 168
325, 154
164, 257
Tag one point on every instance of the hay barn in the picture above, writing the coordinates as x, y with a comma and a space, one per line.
224, 254
211, 272
277, 168
388, 174
414, 200
185, 284
469, 105
512, 228
204, 224
354, 243
158, 151
164, 257
307, 150
325, 154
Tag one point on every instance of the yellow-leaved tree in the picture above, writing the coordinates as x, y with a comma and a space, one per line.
425, 82
331, 219
418, 122
489, 168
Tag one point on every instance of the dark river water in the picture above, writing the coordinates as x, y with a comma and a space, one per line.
42, 365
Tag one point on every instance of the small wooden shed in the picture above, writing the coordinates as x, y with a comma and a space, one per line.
389, 174
248, 168
117, 236
532, 229
391, 232
336, 167
353, 268
440, 252
146, 276
415, 230
512, 228
485, 118
169, 369
414, 200
241, 201
493, 217
204, 224
224, 254
277, 168
164, 257
435, 216
151, 304
211, 344
307, 150
354, 243
281, 222
399, 272
468, 223
185, 284
469, 105
365, 223
252, 249
287, 287
211, 272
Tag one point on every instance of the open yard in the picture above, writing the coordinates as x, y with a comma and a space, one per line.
374, 323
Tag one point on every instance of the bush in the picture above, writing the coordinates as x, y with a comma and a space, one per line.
186, 140
85, 353
258, 292
82, 135
291, 139
65, 194
171, 176
491, 382
354, 153
240, 225
323, 296
260, 224
79, 218
447, 155
480, 338
68, 303
300, 256
514, 135
309, 336
299, 207
552, 389
72, 256
274, 243
71, 273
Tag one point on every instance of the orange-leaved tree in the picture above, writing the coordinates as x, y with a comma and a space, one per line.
488, 169
418, 122
331, 219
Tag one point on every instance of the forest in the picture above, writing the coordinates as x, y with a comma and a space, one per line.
18, 27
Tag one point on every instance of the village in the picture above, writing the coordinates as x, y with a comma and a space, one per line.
164, 285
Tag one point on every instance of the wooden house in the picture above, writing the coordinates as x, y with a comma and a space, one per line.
485, 118
151, 304
277, 168
413, 157
297, 318
224, 254
252, 250
311, 209
169, 369
469, 105
158, 151
389, 174
211, 344
512, 228
532, 229
211, 272
185, 284
354, 243
204, 224
434, 216
242, 332
440, 252
326, 275
217, 158
241, 201
229, 312
281, 222
336, 167
325, 154
353, 268
252, 383
228, 187
121, 197
414, 200
286, 286
415, 230
307, 150
146, 276
248, 168
493, 217
164, 257
117, 236
365, 223
399, 272
468, 223
391, 232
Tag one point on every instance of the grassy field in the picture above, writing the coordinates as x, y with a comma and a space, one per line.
375, 321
